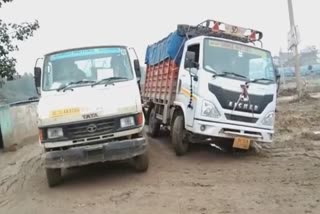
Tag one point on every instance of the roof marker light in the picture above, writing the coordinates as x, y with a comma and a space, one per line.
216, 27
253, 37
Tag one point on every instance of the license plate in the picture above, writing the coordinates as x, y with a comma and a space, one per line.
95, 151
241, 143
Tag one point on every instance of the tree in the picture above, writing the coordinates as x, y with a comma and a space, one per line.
10, 33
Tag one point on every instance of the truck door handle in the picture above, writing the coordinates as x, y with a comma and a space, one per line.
179, 85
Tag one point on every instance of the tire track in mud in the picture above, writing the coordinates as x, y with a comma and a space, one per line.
284, 152
17, 175
34, 165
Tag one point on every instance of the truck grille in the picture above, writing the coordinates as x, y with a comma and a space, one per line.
90, 129
241, 118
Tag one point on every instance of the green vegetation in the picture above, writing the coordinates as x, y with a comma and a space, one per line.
10, 33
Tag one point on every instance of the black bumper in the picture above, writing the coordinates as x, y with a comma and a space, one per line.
83, 155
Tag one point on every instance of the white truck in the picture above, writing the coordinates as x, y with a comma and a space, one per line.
90, 109
207, 84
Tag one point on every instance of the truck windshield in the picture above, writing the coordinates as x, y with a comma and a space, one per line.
86, 66
240, 61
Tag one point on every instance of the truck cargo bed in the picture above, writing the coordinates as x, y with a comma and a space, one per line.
161, 82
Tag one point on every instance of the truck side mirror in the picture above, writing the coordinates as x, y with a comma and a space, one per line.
190, 60
137, 68
37, 76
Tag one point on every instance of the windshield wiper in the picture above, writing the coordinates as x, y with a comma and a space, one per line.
107, 80
225, 73
208, 67
74, 84
234, 74
260, 79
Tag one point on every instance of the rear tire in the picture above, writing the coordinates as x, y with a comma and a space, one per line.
154, 124
54, 176
146, 116
141, 162
178, 138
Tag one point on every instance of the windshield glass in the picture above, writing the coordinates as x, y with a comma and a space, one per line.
241, 60
84, 66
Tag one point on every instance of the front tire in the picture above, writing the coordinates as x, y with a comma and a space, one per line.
54, 176
141, 162
178, 137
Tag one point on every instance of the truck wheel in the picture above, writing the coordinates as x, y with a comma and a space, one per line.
54, 176
146, 116
179, 142
141, 162
154, 124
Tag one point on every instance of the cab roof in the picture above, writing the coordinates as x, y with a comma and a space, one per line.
85, 47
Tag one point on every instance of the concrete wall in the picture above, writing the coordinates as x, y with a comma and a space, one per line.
19, 124
6, 124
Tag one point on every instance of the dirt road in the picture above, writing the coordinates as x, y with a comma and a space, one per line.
284, 179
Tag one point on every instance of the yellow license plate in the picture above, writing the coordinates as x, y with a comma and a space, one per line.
65, 112
241, 143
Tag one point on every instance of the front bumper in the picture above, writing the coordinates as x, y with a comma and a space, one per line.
84, 155
222, 130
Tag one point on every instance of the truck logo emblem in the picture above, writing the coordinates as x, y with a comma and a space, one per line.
243, 102
244, 93
243, 106
92, 128
89, 116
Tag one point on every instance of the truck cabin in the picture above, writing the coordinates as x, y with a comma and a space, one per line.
84, 66
222, 49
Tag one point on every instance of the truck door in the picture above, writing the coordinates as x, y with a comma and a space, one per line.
185, 86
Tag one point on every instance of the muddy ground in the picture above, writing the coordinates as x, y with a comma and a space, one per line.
283, 179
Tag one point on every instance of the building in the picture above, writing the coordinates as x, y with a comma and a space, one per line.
308, 56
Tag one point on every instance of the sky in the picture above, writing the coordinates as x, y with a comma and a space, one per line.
78, 23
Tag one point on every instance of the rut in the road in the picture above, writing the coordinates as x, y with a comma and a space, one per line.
283, 152
14, 175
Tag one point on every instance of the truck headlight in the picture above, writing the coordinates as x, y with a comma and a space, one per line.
55, 133
127, 122
209, 110
268, 120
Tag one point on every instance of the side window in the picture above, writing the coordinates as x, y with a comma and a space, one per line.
195, 48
